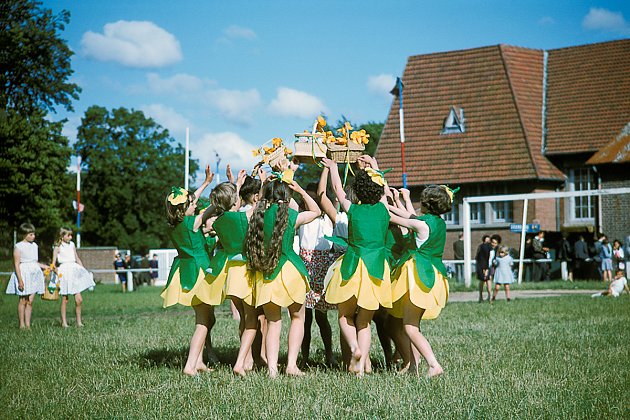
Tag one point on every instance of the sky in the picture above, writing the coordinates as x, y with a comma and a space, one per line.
239, 73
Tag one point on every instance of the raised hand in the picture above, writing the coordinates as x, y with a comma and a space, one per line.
228, 173
209, 175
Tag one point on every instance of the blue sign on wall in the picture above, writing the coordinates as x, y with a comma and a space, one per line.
529, 228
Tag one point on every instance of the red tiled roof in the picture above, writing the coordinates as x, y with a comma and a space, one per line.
500, 90
588, 96
617, 151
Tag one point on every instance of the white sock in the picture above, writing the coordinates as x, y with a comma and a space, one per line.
596, 294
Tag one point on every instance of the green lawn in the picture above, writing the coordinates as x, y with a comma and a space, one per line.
551, 357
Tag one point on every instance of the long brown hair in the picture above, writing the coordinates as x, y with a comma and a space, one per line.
175, 213
259, 258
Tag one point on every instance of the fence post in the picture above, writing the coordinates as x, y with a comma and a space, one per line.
129, 281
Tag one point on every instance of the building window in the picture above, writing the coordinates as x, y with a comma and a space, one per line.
582, 209
454, 122
452, 217
478, 213
503, 212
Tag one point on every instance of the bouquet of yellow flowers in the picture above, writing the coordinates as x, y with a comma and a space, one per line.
272, 152
51, 291
348, 146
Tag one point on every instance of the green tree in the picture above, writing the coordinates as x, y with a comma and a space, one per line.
131, 164
34, 72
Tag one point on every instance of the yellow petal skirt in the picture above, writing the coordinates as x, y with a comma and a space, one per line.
369, 291
406, 280
207, 290
239, 281
289, 287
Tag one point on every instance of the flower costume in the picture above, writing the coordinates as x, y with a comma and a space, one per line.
288, 283
421, 273
229, 266
363, 271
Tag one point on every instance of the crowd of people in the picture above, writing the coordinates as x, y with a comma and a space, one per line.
362, 251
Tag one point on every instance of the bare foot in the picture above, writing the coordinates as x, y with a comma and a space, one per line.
273, 373
238, 370
203, 368
79, 325
355, 362
189, 372
64, 325
368, 365
248, 366
434, 371
294, 371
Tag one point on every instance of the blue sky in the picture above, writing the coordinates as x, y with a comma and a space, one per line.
241, 72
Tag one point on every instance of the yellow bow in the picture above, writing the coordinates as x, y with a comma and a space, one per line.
177, 196
377, 176
451, 193
286, 176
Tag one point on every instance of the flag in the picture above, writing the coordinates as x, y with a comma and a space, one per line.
81, 206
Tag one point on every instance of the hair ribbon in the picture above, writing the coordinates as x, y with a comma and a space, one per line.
377, 176
177, 196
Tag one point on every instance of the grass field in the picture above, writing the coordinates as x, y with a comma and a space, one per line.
542, 358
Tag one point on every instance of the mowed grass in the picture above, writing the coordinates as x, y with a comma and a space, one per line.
532, 358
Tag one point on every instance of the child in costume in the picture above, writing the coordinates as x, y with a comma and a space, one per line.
359, 281
187, 283
281, 277
503, 274
420, 285
27, 280
74, 278
315, 252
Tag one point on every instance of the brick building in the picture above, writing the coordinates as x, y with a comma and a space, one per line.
504, 119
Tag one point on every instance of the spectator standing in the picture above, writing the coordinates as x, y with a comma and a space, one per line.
564, 255
119, 265
605, 255
618, 257
597, 257
481, 260
495, 241
458, 254
153, 265
541, 268
580, 257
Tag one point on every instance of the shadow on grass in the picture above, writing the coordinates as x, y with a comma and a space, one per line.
176, 358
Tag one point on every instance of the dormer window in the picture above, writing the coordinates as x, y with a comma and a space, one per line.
454, 122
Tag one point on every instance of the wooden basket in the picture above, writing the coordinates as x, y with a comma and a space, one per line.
309, 150
48, 295
345, 153
275, 157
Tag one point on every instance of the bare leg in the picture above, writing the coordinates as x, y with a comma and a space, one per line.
78, 301
481, 290
346, 355
236, 314
28, 311
263, 341
411, 319
250, 323
364, 335
64, 305
496, 292
321, 317
274, 327
296, 334
22, 310
202, 319
347, 311
507, 292
403, 345
489, 288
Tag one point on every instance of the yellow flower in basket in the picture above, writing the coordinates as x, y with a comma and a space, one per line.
288, 151
256, 152
268, 150
321, 123
276, 141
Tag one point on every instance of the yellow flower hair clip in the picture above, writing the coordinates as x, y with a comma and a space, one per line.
177, 196
377, 176
451, 193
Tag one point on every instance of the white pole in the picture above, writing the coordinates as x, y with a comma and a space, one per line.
187, 163
522, 250
467, 245
79, 201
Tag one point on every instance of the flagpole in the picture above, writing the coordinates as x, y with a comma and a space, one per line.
78, 201
187, 163
398, 91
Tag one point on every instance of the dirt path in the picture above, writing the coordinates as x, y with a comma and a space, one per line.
519, 294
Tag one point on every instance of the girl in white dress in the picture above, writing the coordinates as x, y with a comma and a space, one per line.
27, 280
74, 278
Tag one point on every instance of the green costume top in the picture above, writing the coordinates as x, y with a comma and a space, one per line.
231, 229
211, 243
191, 253
396, 243
430, 253
368, 225
286, 253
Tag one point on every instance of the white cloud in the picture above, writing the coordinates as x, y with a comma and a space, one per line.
133, 44
231, 148
604, 20
236, 106
180, 83
168, 118
546, 21
71, 128
239, 32
381, 85
295, 103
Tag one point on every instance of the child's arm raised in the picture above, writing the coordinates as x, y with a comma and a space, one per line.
400, 212
324, 202
407, 199
312, 211
414, 224
239, 183
336, 184
206, 182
